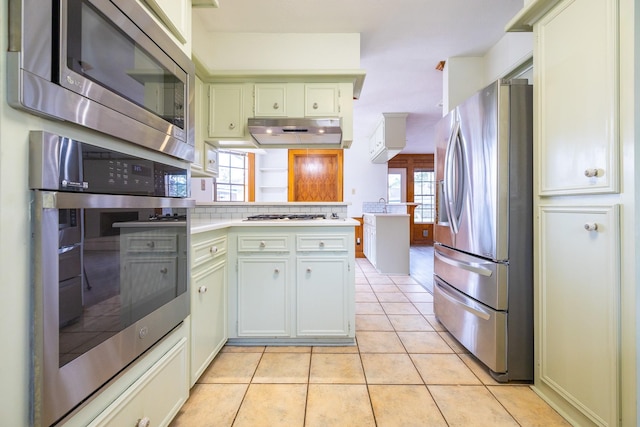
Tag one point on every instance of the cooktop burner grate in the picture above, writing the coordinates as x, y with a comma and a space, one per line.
271, 217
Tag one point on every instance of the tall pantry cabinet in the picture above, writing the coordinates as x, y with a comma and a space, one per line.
581, 368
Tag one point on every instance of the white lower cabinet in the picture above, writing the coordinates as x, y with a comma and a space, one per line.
263, 296
156, 397
322, 296
293, 284
579, 298
208, 299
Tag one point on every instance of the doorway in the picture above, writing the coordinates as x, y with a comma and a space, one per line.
315, 175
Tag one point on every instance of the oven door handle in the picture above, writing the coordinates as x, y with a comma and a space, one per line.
61, 200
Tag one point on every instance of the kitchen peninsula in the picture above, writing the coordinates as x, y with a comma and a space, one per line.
289, 281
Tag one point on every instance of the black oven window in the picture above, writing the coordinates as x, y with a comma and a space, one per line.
100, 51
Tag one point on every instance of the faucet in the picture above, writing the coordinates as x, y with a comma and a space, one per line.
382, 200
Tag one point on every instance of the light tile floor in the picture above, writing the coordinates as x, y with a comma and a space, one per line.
406, 370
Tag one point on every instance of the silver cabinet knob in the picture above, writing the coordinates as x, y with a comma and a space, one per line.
213, 249
202, 289
263, 244
143, 422
163, 270
593, 172
276, 271
275, 106
211, 161
232, 125
315, 105
591, 226
322, 244
151, 244
308, 270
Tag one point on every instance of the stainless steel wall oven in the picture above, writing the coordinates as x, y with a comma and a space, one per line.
110, 248
105, 65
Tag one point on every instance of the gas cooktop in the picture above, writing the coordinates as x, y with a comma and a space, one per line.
294, 217
168, 217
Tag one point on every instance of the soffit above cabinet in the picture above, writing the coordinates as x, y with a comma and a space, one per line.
529, 15
353, 76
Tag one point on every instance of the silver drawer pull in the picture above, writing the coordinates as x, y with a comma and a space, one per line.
202, 289
276, 271
232, 126
213, 249
591, 226
263, 244
143, 422
315, 105
308, 270
275, 106
151, 244
163, 270
322, 244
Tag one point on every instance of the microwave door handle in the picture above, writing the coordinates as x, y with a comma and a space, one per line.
476, 311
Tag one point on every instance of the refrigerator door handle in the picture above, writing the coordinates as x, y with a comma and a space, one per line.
463, 265
476, 311
449, 201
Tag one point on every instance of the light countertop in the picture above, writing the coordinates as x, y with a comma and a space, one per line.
203, 225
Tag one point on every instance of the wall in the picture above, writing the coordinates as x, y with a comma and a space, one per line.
464, 76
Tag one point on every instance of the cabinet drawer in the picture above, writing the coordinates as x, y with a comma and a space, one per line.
157, 396
145, 243
208, 250
263, 243
322, 242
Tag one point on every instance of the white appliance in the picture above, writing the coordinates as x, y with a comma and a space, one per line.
483, 253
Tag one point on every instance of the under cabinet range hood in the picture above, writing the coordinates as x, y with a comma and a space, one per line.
296, 132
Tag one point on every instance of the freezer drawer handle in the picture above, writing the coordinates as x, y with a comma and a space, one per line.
466, 266
453, 299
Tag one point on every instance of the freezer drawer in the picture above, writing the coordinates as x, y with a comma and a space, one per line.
480, 329
479, 278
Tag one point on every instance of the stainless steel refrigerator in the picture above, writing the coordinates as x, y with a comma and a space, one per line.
483, 252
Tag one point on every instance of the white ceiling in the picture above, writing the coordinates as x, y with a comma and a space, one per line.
401, 43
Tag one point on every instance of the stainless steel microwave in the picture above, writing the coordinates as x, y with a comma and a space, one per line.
102, 64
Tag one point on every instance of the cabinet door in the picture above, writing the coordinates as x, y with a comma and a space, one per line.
321, 100
322, 296
199, 123
263, 297
576, 60
226, 107
208, 316
579, 307
270, 100
211, 159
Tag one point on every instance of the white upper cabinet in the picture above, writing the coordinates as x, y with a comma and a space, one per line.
175, 15
576, 61
270, 100
321, 100
226, 111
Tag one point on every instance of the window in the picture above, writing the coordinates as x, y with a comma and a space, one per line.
424, 193
394, 187
231, 184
